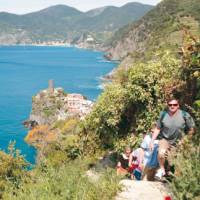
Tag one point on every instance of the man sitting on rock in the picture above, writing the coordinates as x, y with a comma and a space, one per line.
171, 125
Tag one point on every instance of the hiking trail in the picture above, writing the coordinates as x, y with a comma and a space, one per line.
142, 190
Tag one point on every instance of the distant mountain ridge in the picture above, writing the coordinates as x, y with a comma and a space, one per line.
96, 11
67, 24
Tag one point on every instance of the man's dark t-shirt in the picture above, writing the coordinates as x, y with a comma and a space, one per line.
173, 127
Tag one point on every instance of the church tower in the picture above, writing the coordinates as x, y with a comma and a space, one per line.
51, 86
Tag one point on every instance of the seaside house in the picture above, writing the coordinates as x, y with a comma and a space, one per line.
77, 104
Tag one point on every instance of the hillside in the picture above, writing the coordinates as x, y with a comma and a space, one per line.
66, 24
161, 26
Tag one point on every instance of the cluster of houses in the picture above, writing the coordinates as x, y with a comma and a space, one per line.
76, 103
51, 43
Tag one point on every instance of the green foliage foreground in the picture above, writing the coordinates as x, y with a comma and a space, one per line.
185, 184
186, 159
66, 182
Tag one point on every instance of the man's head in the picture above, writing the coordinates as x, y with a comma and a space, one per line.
173, 105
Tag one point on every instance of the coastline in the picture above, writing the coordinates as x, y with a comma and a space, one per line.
18, 101
38, 45
67, 45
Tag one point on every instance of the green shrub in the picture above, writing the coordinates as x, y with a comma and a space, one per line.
48, 111
13, 168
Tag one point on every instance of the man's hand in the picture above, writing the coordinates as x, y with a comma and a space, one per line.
191, 133
185, 140
141, 166
151, 145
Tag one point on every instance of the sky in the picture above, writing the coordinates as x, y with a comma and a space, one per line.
26, 6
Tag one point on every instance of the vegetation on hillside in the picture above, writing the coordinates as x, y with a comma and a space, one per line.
133, 103
68, 181
185, 184
160, 28
127, 107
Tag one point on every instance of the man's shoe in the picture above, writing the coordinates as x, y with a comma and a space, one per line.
159, 175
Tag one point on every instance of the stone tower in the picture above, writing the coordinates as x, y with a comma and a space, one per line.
51, 87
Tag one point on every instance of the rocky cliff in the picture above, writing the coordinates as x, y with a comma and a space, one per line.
48, 106
135, 40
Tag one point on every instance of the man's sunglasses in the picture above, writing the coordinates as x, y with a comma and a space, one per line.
170, 104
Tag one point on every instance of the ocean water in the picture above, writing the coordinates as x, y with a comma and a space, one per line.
25, 70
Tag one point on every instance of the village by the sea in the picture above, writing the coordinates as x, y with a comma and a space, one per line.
26, 70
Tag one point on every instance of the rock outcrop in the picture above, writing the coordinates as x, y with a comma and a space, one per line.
53, 104
48, 106
135, 40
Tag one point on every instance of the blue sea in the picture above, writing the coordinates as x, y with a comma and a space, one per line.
25, 70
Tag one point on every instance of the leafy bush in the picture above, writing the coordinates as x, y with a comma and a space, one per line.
134, 102
68, 126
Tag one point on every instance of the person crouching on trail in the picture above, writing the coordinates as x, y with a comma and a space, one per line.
143, 158
123, 162
146, 153
170, 126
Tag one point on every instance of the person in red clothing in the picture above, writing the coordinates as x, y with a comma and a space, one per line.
134, 164
123, 162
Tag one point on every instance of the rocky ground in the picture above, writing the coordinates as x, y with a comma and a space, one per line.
142, 190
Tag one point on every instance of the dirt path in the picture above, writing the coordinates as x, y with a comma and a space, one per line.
142, 190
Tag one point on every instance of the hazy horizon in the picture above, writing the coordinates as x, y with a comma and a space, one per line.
23, 6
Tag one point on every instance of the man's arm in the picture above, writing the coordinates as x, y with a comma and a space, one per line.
190, 124
191, 132
154, 136
189, 136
